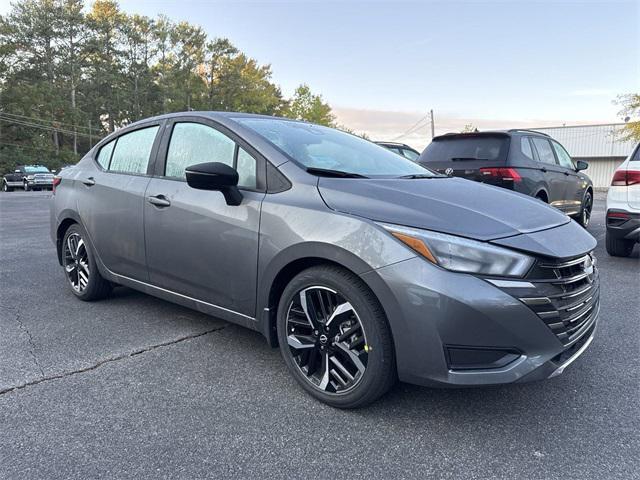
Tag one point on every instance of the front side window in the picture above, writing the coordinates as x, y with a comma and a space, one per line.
563, 157
317, 147
525, 147
193, 143
545, 153
132, 151
104, 155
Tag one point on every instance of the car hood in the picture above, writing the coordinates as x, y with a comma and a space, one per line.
448, 205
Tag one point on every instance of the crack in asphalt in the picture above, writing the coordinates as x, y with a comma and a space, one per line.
32, 350
109, 360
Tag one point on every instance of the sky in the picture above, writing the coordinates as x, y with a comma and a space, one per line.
382, 65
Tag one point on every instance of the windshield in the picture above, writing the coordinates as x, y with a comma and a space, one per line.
36, 169
317, 147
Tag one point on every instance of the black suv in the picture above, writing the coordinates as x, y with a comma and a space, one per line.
28, 177
525, 161
401, 149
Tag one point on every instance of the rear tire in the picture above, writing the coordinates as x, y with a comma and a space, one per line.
6, 188
619, 247
79, 264
343, 359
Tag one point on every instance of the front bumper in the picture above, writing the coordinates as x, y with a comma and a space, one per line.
40, 183
432, 310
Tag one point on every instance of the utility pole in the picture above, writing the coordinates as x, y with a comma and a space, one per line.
90, 137
433, 126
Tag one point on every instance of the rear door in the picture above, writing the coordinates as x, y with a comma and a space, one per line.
575, 183
554, 174
111, 200
196, 244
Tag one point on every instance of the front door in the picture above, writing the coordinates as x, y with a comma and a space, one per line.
196, 244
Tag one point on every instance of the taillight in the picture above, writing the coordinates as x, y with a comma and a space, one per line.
623, 178
501, 173
56, 182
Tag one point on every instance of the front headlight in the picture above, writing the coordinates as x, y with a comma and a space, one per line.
461, 254
29, 177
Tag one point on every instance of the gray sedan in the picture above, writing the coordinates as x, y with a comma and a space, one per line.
362, 266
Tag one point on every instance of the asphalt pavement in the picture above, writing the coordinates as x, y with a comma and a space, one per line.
134, 386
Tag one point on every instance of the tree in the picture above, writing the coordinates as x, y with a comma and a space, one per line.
309, 107
469, 128
630, 110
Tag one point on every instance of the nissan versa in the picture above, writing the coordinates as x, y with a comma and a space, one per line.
363, 266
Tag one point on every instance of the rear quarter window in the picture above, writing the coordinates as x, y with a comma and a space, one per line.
104, 155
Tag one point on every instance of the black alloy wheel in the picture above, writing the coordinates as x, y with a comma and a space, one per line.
335, 338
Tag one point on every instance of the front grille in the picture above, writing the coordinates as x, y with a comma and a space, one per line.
567, 296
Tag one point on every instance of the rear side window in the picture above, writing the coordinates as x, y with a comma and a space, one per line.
545, 153
104, 155
563, 157
132, 151
410, 154
472, 147
525, 147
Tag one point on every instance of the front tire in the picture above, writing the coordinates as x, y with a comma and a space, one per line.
78, 261
585, 211
26, 187
334, 337
618, 247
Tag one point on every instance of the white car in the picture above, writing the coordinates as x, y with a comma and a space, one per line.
623, 207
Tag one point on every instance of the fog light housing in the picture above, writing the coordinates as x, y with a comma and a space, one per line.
479, 358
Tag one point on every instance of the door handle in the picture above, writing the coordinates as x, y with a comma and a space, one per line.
159, 201
89, 182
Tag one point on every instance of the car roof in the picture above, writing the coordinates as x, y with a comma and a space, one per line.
209, 114
491, 133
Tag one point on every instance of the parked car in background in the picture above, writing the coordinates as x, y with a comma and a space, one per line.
362, 266
623, 207
524, 161
28, 177
401, 149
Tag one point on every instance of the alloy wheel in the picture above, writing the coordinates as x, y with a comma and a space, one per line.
326, 339
76, 262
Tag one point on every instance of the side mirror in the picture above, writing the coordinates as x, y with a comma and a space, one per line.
581, 165
215, 176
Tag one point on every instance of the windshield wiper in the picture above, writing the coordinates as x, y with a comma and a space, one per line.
420, 175
326, 172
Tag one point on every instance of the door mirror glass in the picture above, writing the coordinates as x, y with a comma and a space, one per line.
581, 165
215, 176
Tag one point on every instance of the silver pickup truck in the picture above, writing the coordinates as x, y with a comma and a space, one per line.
28, 177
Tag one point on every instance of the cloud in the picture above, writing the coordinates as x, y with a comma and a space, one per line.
387, 125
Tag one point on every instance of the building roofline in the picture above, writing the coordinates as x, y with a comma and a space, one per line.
580, 126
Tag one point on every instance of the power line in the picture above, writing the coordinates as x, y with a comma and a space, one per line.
411, 129
42, 120
42, 127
